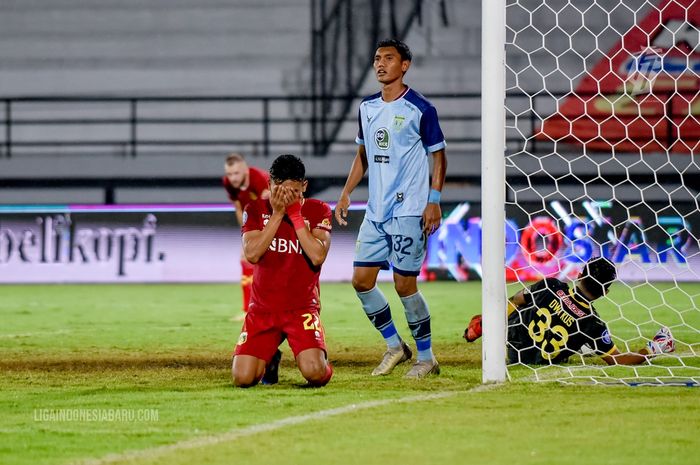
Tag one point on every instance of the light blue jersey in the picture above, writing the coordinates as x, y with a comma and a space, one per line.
397, 137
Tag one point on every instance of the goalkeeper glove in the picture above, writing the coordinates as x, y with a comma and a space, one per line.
662, 343
473, 331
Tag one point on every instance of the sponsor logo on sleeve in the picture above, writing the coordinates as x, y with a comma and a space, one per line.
245, 217
606, 337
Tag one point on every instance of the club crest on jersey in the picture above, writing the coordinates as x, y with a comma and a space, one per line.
398, 123
245, 217
606, 337
242, 338
381, 138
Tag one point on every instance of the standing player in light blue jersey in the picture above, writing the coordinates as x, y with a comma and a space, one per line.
398, 129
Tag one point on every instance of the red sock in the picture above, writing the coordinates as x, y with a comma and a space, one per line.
246, 282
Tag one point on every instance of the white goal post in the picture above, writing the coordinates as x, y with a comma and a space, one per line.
493, 85
590, 134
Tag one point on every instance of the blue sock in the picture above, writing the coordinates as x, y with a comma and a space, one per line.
377, 309
418, 317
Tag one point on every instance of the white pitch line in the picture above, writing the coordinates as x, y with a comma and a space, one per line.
66, 331
36, 333
267, 427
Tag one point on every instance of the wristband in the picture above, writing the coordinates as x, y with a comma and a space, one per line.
294, 214
434, 196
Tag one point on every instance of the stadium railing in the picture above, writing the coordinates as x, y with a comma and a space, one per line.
255, 124
132, 126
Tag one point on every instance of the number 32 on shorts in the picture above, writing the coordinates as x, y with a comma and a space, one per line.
402, 244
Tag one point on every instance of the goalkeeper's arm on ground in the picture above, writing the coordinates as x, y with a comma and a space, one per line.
661, 344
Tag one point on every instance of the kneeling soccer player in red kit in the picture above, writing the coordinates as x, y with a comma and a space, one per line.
286, 238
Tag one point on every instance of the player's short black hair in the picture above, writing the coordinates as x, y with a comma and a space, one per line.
287, 167
597, 276
402, 48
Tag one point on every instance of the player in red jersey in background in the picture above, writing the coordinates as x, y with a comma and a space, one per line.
244, 184
287, 238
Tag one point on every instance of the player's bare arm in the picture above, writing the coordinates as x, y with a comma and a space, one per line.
432, 215
357, 171
662, 343
516, 301
256, 243
315, 244
628, 358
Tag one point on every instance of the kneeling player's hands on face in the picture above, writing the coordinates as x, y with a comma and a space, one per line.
292, 195
293, 203
279, 198
297, 193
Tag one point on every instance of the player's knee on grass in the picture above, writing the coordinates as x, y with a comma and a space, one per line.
244, 379
314, 367
247, 371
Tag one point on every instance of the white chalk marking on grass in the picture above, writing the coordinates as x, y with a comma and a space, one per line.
267, 427
66, 331
36, 333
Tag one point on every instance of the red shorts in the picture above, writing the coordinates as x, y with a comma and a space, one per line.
263, 331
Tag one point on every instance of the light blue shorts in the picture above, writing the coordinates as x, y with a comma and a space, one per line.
399, 241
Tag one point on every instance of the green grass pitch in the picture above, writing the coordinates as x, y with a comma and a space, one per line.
166, 349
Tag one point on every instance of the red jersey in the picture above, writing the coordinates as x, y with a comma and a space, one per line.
258, 182
284, 279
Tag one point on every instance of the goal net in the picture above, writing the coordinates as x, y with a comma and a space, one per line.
602, 126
